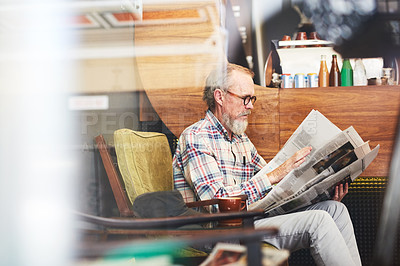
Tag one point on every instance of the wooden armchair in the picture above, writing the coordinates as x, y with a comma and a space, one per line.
124, 200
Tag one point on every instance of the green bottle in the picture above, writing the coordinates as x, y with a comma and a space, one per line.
346, 74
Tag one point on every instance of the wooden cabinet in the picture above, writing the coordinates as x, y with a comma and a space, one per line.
372, 110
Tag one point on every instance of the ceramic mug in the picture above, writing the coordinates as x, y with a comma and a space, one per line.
233, 204
285, 38
301, 36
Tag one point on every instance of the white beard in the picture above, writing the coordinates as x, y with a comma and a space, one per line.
236, 126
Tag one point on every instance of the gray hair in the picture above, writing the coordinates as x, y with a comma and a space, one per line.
221, 79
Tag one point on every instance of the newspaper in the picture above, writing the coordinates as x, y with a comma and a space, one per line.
336, 157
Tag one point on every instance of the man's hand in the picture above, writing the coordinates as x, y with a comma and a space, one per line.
340, 191
293, 162
298, 158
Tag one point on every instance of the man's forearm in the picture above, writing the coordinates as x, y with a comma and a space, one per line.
292, 163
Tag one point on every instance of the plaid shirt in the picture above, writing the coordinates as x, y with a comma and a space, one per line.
207, 164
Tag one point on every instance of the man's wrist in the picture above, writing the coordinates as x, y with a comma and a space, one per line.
272, 177
276, 175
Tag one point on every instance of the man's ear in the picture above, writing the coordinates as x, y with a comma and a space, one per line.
219, 96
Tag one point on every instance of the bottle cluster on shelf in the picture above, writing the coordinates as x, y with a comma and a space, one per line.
346, 76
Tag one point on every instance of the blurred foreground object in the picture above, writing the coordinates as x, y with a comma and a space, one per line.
352, 24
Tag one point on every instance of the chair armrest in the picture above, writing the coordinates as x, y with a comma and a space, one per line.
169, 222
202, 203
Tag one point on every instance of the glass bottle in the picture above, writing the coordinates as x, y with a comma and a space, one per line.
347, 73
334, 75
391, 62
359, 74
323, 77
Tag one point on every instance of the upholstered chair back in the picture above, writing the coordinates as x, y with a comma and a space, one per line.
144, 160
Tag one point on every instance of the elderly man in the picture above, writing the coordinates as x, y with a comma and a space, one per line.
215, 158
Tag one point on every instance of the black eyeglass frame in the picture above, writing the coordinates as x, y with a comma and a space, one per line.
246, 99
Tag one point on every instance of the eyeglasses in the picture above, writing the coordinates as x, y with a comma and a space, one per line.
246, 99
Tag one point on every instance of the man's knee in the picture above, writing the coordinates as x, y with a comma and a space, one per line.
339, 213
336, 209
320, 219
322, 215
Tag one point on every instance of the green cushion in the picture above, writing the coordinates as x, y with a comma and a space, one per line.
144, 160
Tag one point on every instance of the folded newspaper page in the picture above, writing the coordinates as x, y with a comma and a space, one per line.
336, 157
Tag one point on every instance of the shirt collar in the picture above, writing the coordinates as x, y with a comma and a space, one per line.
217, 124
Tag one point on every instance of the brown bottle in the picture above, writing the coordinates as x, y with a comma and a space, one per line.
334, 75
323, 77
